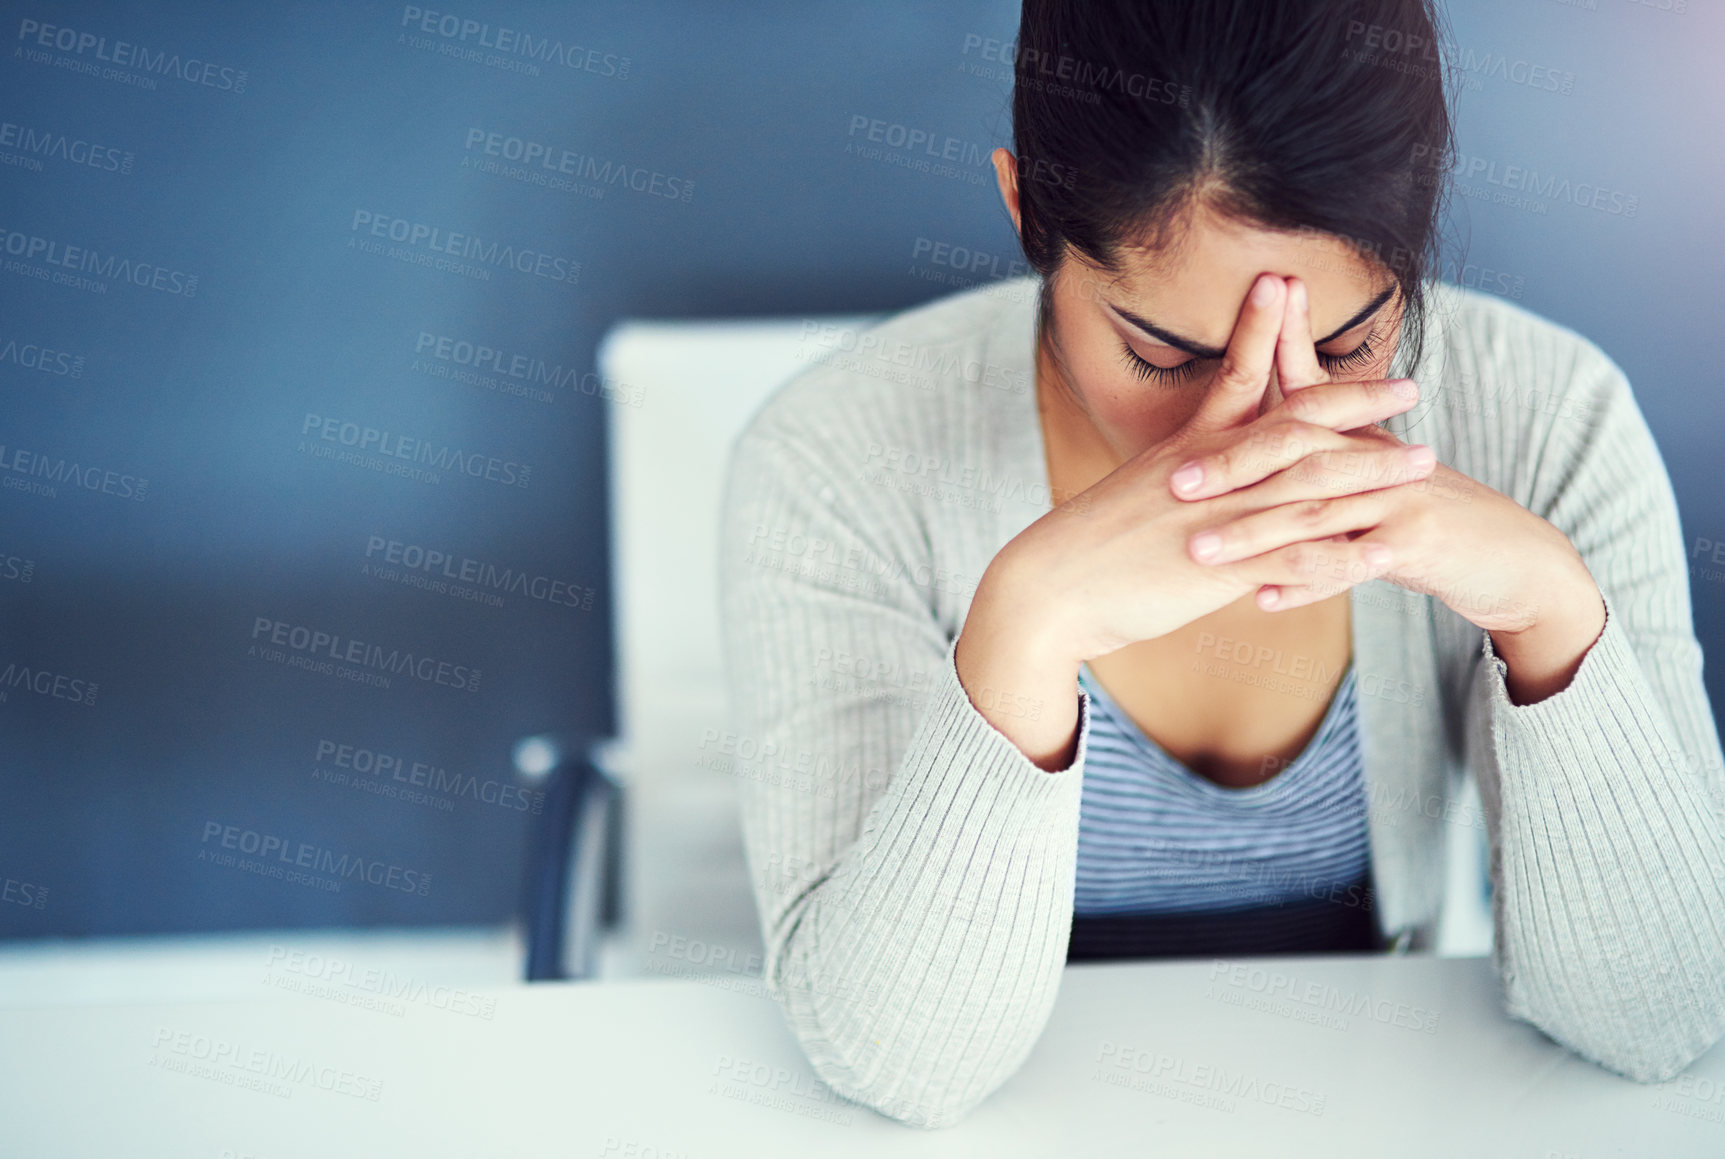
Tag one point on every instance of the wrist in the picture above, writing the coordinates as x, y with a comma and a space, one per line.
1016, 676
1026, 609
1544, 657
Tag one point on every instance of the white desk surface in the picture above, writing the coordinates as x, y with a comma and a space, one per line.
668, 1068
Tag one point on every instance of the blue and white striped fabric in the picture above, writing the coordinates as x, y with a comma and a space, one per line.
1154, 837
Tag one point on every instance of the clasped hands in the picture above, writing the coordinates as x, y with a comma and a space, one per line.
1424, 526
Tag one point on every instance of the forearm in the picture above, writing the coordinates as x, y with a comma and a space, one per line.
919, 974
1611, 868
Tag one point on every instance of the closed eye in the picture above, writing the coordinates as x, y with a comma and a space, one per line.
1170, 375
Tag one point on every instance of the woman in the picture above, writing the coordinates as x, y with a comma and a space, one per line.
1118, 612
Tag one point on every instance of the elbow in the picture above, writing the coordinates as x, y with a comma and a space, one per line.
855, 1068
1647, 1045
926, 1110
1664, 1053
1651, 1063
928, 1115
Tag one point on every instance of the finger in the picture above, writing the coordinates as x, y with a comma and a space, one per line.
1276, 527
1237, 395
1283, 597
1348, 406
1286, 597
1280, 597
1361, 465
1342, 414
1265, 449
1321, 568
1297, 362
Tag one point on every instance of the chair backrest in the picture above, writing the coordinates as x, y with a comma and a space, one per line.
687, 390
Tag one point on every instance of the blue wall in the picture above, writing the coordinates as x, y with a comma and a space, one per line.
245, 242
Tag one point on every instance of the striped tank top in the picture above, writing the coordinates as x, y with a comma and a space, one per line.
1172, 864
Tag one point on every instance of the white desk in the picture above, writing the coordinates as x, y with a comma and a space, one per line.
652, 1069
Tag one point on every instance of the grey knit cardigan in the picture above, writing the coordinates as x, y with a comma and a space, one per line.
914, 871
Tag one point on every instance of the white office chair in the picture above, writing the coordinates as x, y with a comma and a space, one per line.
681, 393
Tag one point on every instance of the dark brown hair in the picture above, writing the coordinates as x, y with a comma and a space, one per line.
1297, 115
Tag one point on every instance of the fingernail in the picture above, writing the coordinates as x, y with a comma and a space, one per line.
1187, 477
1268, 597
1405, 387
1378, 555
1265, 291
1421, 457
1206, 545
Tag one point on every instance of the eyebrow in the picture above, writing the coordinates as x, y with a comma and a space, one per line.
1199, 350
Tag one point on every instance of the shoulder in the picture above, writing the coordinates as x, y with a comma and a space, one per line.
1500, 350
1499, 382
1521, 403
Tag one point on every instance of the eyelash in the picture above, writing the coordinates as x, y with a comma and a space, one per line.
1147, 371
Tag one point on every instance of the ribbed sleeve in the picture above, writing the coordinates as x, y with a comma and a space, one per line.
1604, 799
913, 870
